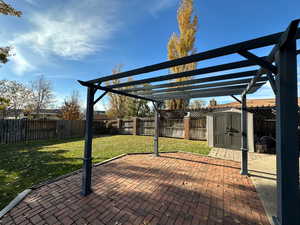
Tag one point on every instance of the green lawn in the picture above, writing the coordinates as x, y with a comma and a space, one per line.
23, 165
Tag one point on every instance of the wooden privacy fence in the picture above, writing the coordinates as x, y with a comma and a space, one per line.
18, 131
198, 128
15, 131
188, 128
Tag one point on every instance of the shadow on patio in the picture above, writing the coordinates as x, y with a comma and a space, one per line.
176, 188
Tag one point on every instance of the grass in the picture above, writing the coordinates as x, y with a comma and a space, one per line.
23, 165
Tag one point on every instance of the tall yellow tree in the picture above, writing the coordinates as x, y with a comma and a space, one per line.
183, 44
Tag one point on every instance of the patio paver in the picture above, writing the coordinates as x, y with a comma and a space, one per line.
235, 155
176, 188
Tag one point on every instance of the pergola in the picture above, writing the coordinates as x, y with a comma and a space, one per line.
279, 68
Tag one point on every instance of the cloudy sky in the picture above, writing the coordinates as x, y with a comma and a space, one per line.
70, 40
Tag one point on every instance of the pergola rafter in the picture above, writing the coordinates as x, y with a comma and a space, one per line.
195, 81
211, 69
279, 68
237, 89
207, 85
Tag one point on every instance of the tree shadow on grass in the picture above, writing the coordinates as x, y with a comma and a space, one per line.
23, 165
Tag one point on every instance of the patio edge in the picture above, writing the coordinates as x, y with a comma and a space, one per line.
14, 202
24, 193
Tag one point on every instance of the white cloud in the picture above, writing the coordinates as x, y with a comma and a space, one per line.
21, 64
159, 5
73, 31
70, 37
32, 2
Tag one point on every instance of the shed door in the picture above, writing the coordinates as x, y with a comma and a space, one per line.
227, 130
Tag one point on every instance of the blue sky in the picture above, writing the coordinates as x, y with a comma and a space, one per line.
70, 40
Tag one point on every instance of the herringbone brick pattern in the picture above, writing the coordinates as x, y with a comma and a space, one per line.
175, 188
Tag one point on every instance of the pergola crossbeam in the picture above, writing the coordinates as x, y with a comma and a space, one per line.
263, 63
100, 97
211, 69
83, 83
272, 82
291, 31
235, 98
195, 81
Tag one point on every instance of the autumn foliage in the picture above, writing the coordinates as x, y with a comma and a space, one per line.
182, 44
71, 108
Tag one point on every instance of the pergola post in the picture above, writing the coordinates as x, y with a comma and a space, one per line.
287, 149
87, 160
156, 129
244, 144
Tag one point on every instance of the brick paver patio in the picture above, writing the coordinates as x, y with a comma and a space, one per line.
176, 188
235, 155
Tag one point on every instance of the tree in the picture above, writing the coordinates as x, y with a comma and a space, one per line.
71, 108
42, 93
183, 45
7, 9
117, 107
137, 108
20, 97
4, 103
121, 106
5, 52
197, 104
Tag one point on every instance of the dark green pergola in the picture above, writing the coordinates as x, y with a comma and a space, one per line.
279, 68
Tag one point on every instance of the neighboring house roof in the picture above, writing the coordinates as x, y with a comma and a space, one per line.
99, 112
49, 111
251, 103
10, 113
23, 114
100, 115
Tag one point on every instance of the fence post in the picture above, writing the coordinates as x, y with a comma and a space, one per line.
119, 123
187, 126
156, 131
135, 124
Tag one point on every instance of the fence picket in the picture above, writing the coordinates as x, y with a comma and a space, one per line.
20, 131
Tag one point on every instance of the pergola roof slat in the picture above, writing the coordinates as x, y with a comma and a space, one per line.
211, 69
215, 84
204, 94
202, 90
195, 81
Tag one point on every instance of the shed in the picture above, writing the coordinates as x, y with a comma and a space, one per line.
224, 129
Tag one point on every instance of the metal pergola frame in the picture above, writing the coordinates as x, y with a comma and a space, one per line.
279, 68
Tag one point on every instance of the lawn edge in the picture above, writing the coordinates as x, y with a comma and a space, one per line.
73, 173
24, 193
13, 203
